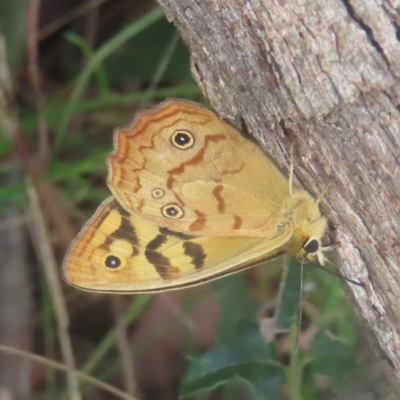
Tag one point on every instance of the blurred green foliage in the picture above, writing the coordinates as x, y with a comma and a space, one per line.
12, 28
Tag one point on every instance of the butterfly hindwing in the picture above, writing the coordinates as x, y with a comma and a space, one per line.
121, 252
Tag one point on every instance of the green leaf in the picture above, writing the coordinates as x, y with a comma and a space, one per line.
332, 357
327, 345
235, 304
247, 356
88, 51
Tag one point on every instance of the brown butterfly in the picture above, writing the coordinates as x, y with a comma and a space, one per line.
192, 201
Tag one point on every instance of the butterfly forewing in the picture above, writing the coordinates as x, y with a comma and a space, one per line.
211, 181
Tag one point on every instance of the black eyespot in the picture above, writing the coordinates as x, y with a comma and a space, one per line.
157, 193
311, 246
113, 262
172, 210
182, 139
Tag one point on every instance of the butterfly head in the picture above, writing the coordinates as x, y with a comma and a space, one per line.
309, 227
313, 251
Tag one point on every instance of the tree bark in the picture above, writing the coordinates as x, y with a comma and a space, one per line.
324, 75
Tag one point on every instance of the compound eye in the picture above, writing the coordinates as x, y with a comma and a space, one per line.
182, 139
311, 246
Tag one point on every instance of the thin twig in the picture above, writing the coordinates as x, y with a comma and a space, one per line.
177, 311
162, 66
68, 17
123, 345
36, 164
34, 73
36, 169
92, 21
62, 367
45, 253
15, 315
32, 24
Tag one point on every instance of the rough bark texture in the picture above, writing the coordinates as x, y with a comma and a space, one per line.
324, 75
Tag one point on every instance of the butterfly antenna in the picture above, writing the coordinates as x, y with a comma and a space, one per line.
318, 265
300, 315
319, 198
291, 168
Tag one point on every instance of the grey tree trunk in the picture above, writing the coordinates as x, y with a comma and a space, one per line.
324, 75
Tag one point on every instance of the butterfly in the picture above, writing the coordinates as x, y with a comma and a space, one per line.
192, 200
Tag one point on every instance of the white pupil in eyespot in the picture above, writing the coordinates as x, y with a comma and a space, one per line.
182, 138
112, 262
